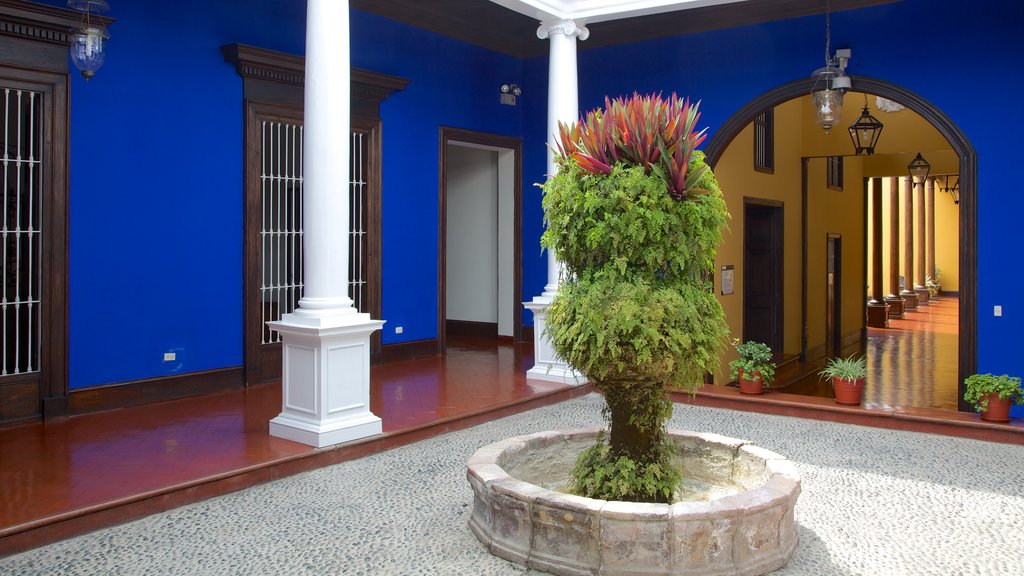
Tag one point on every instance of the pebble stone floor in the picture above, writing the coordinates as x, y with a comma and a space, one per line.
874, 502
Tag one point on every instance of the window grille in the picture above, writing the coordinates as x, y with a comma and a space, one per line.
357, 222
834, 174
22, 230
281, 233
764, 141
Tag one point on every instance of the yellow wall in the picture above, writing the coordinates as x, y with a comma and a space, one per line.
841, 213
947, 236
736, 174
829, 211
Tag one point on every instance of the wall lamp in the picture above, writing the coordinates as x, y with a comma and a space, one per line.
88, 41
954, 190
509, 93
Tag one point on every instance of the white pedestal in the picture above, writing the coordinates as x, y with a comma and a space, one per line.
547, 364
326, 379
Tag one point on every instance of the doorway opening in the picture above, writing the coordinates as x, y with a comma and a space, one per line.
479, 243
762, 278
964, 160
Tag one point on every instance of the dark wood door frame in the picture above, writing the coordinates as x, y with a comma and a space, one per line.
834, 248
33, 56
968, 333
273, 85
448, 134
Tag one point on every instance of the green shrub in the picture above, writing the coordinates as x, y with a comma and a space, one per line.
635, 215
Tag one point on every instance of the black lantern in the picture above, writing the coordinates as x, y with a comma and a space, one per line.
919, 168
865, 131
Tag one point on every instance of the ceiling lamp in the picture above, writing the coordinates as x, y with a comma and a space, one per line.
830, 82
919, 169
88, 40
865, 131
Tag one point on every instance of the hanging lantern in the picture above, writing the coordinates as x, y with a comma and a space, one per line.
88, 42
919, 168
829, 86
865, 131
830, 82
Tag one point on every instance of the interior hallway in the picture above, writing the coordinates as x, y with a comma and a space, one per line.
911, 364
70, 476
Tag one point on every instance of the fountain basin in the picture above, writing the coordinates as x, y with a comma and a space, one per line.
736, 517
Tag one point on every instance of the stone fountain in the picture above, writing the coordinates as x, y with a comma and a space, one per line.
733, 516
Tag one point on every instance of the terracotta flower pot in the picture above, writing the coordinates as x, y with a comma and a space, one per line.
748, 386
848, 392
998, 409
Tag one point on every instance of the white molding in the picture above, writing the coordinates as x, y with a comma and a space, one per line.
325, 377
601, 10
548, 365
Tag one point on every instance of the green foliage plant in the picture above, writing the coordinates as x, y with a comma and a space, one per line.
849, 368
979, 386
635, 215
755, 360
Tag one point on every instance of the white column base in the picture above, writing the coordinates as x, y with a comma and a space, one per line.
548, 366
326, 379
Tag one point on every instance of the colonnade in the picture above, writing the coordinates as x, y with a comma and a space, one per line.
892, 298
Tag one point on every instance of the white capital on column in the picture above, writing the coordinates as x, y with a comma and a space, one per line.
563, 105
325, 343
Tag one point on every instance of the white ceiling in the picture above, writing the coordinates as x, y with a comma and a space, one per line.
589, 11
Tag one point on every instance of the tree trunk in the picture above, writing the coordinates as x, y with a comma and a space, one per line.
637, 410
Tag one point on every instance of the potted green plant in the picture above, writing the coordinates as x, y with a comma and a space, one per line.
847, 375
635, 214
934, 285
992, 395
754, 368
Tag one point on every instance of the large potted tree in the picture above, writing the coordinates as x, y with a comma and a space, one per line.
635, 215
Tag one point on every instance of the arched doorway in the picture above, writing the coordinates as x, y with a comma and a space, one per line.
966, 154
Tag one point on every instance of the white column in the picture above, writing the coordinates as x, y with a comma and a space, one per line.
563, 105
326, 341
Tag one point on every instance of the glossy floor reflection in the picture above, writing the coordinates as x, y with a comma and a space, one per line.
911, 364
64, 467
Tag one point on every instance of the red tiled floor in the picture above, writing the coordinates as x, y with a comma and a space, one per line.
60, 470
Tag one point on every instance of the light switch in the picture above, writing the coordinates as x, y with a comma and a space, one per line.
997, 311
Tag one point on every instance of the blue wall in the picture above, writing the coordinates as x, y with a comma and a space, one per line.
156, 153
156, 178
451, 84
950, 55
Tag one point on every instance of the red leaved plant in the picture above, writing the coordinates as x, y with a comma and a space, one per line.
648, 131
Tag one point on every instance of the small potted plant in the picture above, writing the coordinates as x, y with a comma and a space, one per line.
754, 368
992, 395
847, 375
934, 285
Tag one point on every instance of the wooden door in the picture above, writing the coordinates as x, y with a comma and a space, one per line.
762, 273
833, 296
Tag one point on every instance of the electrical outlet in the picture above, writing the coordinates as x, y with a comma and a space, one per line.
997, 311
170, 356
398, 329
